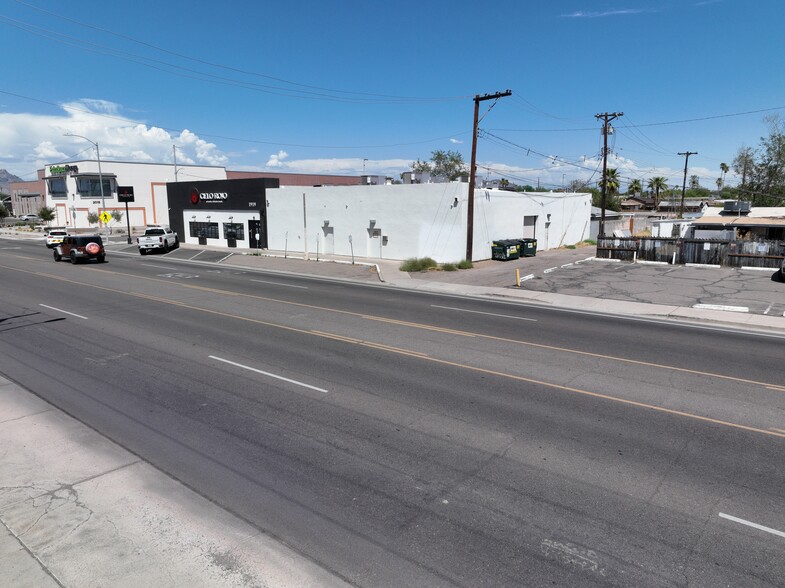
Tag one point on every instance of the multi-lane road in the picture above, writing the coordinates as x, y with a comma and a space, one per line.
410, 439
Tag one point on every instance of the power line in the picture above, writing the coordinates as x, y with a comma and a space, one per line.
362, 97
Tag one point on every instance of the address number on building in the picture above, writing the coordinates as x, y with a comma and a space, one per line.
252, 205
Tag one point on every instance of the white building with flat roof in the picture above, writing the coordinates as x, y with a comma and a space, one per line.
74, 190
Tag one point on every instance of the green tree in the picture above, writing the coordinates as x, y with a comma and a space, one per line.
743, 164
695, 182
47, 214
92, 218
3, 211
420, 167
448, 164
634, 188
657, 184
724, 169
611, 181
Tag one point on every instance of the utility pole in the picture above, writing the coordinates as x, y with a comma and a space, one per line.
686, 155
606, 117
472, 170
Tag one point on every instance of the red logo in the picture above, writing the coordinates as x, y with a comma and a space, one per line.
194, 196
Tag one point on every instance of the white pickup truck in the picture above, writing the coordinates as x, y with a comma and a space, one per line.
157, 238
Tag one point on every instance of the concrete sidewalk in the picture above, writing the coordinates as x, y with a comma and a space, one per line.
77, 510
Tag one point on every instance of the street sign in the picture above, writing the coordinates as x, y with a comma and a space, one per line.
105, 217
125, 193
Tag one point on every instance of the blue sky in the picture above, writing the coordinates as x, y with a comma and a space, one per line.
362, 85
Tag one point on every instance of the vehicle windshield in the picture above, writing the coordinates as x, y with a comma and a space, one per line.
154, 232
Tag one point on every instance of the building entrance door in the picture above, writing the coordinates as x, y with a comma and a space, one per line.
256, 239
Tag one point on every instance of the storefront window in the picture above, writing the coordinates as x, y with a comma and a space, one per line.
90, 187
209, 230
57, 188
234, 231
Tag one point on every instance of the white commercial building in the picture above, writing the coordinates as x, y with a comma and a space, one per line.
74, 190
401, 221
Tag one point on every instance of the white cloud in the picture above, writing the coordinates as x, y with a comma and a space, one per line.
456, 142
341, 166
276, 159
32, 141
604, 13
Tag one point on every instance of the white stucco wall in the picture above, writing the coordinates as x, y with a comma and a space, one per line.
418, 220
149, 183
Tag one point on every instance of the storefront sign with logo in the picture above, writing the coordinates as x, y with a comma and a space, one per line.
59, 170
198, 197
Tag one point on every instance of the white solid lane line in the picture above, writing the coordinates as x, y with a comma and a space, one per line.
753, 525
517, 318
250, 369
63, 311
280, 284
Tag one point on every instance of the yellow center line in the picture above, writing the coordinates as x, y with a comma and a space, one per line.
654, 407
422, 326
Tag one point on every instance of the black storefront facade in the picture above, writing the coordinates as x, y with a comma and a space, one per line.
229, 213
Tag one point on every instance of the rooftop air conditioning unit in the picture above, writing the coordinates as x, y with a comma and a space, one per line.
737, 207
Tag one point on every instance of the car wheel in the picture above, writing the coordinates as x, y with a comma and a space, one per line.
57, 255
101, 259
73, 258
177, 242
166, 247
143, 252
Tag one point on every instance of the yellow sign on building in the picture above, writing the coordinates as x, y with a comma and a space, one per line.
105, 217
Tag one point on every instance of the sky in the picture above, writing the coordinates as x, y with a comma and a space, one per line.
370, 86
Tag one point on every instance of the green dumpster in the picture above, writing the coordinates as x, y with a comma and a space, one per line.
528, 247
505, 249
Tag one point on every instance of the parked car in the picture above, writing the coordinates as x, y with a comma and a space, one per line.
78, 248
55, 236
30, 218
157, 237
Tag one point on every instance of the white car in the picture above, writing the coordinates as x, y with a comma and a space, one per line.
54, 237
30, 218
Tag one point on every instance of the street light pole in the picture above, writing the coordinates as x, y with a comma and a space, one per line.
100, 176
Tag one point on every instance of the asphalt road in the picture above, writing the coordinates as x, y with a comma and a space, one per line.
402, 438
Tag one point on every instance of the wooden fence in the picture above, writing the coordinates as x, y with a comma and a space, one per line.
704, 251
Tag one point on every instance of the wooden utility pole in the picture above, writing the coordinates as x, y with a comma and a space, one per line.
472, 170
686, 155
606, 117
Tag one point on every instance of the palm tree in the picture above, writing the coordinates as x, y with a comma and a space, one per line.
611, 181
694, 182
657, 184
634, 187
724, 169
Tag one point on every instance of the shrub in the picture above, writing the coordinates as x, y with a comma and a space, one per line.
465, 264
449, 267
414, 264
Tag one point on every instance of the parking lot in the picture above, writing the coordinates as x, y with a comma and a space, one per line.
576, 272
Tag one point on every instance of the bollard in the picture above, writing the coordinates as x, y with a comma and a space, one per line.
518, 277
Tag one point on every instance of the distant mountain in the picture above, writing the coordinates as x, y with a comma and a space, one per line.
5, 179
